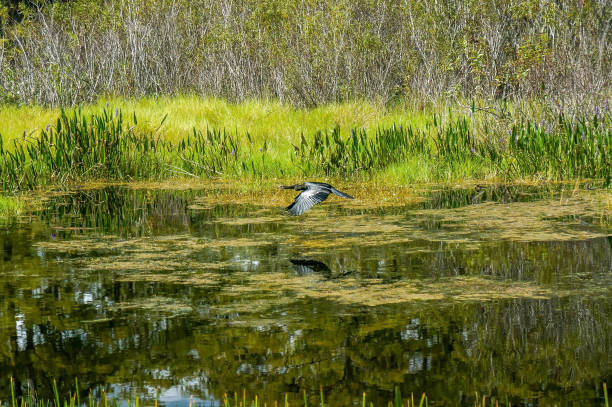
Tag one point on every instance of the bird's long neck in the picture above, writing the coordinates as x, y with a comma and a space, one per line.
295, 186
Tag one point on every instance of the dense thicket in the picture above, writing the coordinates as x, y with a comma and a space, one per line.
306, 51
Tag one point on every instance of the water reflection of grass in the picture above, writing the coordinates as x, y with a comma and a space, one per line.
30, 399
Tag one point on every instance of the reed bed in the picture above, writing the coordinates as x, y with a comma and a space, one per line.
101, 399
577, 148
110, 146
580, 148
107, 146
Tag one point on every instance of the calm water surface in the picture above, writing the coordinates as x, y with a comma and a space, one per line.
504, 291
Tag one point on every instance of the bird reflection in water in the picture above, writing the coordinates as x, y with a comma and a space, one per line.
305, 267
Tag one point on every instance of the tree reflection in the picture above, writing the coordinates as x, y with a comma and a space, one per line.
61, 320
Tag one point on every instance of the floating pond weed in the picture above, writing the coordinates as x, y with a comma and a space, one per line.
173, 290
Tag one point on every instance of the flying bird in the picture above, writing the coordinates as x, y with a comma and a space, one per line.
312, 194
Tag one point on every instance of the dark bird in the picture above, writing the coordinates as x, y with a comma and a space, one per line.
312, 194
306, 266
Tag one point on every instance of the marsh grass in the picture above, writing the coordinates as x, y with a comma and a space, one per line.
78, 146
579, 148
106, 146
263, 119
110, 146
10, 206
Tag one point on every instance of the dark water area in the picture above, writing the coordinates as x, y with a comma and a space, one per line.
504, 291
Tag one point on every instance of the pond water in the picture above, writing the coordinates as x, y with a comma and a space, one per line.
501, 290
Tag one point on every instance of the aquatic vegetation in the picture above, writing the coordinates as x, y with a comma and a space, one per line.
331, 154
155, 288
579, 148
104, 146
373, 292
77, 147
109, 146
528, 221
154, 304
187, 260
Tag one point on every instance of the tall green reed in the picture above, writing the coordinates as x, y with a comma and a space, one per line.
330, 154
110, 146
569, 149
78, 147
217, 152
579, 148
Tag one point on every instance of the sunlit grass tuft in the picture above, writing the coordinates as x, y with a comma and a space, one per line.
29, 120
10, 206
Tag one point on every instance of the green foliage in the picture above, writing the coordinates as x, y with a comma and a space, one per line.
580, 148
95, 147
104, 146
10, 206
217, 152
331, 154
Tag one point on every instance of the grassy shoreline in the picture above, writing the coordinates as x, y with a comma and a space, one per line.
186, 136
267, 119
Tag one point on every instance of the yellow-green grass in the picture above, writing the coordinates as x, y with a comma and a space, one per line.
10, 206
17, 120
439, 141
279, 124
263, 119
271, 119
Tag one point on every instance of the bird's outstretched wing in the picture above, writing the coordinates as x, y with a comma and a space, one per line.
306, 200
342, 194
